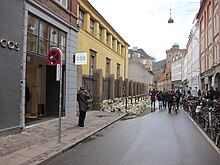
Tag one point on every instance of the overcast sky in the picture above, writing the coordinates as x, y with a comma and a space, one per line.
144, 23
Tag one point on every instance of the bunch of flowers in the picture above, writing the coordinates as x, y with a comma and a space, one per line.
119, 105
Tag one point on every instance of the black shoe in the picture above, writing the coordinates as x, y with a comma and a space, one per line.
80, 125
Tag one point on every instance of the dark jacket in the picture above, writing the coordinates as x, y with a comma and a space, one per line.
82, 98
170, 97
160, 96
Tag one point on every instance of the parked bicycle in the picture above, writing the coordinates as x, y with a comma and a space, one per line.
217, 134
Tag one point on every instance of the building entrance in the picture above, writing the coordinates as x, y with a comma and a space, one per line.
36, 85
42, 89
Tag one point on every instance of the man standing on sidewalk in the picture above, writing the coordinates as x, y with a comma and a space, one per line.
82, 98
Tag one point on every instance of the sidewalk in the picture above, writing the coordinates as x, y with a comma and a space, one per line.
39, 143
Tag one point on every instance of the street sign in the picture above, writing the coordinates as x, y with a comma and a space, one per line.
81, 58
58, 72
53, 57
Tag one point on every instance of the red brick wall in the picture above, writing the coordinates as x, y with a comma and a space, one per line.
69, 15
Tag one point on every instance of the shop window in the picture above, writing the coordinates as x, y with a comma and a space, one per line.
62, 43
32, 35
53, 37
41, 37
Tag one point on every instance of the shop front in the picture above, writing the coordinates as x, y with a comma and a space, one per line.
44, 32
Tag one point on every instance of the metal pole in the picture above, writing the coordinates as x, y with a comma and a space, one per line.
60, 98
60, 103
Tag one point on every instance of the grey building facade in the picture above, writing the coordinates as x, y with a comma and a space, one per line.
11, 38
34, 29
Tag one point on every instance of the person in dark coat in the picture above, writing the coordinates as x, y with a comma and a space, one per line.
216, 93
82, 98
199, 93
170, 101
178, 95
153, 95
164, 98
160, 99
211, 94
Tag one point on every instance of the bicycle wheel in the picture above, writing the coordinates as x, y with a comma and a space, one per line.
206, 126
217, 139
213, 133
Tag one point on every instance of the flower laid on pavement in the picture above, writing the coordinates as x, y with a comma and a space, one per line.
119, 105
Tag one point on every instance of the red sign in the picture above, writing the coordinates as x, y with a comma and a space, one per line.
53, 57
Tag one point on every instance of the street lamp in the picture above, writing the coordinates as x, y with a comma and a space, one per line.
170, 20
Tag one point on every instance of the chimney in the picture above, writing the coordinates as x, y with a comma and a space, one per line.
135, 49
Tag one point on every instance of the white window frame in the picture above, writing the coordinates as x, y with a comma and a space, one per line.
62, 3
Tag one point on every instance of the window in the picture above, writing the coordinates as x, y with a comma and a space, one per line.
113, 43
107, 35
62, 43
63, 3
91, 26
92, 62
100, 33
107, 70
81, 18
41, 37
53, 37
118, 70
32, 34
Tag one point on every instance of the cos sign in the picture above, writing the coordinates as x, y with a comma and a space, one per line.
10, 44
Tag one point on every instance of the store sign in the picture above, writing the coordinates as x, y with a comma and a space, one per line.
81, 58
10, 44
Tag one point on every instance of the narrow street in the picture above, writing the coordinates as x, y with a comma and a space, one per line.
155, 139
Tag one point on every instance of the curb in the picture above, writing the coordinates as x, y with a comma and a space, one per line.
67, 147
204, 134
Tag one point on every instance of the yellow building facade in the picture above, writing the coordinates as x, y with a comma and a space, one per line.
106, 49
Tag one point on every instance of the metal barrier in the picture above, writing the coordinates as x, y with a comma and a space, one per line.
134, 99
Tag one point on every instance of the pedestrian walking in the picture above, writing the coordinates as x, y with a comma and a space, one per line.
178, 95
170, 101
199, 93
160, 99
211, 93
82, 98
164, 98
153, 99
216, 93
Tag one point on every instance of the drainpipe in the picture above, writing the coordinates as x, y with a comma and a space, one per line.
23, 68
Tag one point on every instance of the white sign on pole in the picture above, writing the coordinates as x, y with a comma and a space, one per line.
58, 72
81, 58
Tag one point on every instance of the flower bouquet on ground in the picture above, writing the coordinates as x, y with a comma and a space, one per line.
119, 105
